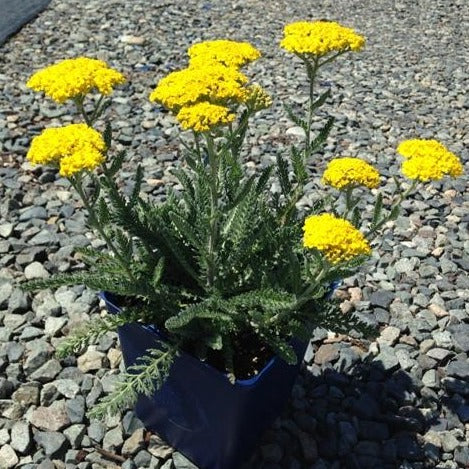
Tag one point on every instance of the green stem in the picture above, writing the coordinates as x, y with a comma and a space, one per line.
312, 69
81, 109
94, 222
214, 216
371, 234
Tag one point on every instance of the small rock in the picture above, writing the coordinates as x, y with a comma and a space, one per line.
35, 270
27, 394
76, 409
326, 353
47, 372
388, 359
52, 418
8, 457
90, 360
430, 379
458, 369
133, 40
134, 443
54, 325
158, 448
382, 298
113, 439
6, 229
75, 434
438, 311
54, 443
115, 357
439, 354
21, 437
389, 335
67, 387
448, 442
181, 462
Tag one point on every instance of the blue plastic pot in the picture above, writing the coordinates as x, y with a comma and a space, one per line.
212, 422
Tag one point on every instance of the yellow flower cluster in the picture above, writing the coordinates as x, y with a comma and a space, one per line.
212, 82
342, 173
319, 38
428, 160
72, 78
229, 53
204, 116
335, 237
73, 148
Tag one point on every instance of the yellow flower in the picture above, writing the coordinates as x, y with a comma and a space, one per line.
428, 160
319, 38
420, 147
335, 237
204, 116
257, 98
342, 173
212, 82
72, 78
73, 148
229, 53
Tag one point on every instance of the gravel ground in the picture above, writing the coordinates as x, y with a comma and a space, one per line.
401, 401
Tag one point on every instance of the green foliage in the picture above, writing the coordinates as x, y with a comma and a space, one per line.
145, 377
219, 261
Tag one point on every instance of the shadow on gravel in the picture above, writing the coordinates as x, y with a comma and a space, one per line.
359, 419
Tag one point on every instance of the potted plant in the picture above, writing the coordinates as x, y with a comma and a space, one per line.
216, 290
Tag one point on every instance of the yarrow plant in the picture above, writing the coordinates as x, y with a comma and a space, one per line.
226, 269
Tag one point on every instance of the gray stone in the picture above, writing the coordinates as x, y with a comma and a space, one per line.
142, 458
19, 301
463, 413
75, 434
35, 270
96, 431
27, 394
326, 353
449, 442
113, 439
389, 335
181, 462
439, 354
458, 369
54, 325
382, 298
76, 409
54, 443
168, 464
6, 388
460, 335
91, 360
6, 229
430, 379
387, 358
67, 387
8, 457
33, 212
20, 437
47, 372
134, 443
6, 289
52, 418
461, 456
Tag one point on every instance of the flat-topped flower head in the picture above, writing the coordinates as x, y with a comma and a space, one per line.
74, 148
342, 173
336, 238
204, 116
229, 53
212, 82
428, 160
72, 78
319, 38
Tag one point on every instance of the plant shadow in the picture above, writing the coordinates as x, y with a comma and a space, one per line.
363, 415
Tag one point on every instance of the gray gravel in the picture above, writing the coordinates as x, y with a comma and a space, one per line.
401, 401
